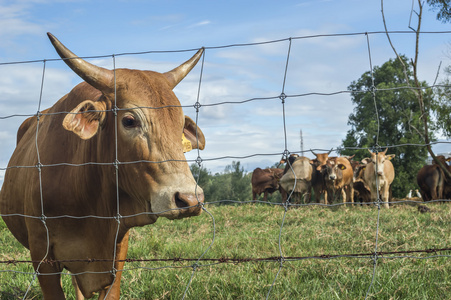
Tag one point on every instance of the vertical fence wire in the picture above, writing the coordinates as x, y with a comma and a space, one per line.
197, 106
283, 97
39, 169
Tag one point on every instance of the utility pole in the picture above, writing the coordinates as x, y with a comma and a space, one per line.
302, 143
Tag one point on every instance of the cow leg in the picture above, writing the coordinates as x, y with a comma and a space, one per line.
113, 292
349, 194
284, 195
78, 294
265, 196
385, 195
307, 198
50, 284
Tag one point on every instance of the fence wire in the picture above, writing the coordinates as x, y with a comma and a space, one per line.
195, 263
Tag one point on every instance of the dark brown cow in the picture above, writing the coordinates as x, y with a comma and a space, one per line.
318, 184
362, 192
112, 147
297, 179
432, 181
338, 176
265, 181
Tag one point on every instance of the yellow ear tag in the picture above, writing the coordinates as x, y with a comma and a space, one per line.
187, 147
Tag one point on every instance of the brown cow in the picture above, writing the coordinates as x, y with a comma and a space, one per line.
379, 174
338, 176
318, 184
432, 181
297, 179
265, 181
109, 157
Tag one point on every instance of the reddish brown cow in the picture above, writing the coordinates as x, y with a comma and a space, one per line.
265, 181
432, 181
338, 176
113, 148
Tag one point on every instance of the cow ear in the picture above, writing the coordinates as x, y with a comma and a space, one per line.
85, 119
366, 160
390, 156
193, 137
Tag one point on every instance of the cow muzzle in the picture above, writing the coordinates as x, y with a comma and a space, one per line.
188, 205
182, 201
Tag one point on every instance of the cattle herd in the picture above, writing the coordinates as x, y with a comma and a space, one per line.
328, 179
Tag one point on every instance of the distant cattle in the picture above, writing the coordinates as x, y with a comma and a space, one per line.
265, 181
338, 178
318, 184
297, 178
379, 174
432, 181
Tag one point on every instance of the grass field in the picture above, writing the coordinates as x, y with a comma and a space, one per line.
252, 231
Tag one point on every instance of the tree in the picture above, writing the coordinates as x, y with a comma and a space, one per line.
232, 184
442, 104
390, 117
444, 9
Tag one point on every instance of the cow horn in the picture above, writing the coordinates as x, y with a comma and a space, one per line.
98, 77
176, 75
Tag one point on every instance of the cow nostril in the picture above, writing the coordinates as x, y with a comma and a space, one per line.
179, 201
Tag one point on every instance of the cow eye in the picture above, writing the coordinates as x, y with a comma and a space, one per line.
130, 122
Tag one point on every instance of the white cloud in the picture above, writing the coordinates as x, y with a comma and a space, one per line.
202, 23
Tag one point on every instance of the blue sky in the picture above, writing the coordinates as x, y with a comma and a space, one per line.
316, 65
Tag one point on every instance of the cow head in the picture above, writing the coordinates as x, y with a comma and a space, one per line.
321, 159
379, 159
139, 109
333, 169
289, 162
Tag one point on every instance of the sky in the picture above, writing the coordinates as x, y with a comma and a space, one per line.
247, 45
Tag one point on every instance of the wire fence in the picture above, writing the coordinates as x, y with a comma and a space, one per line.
200, 108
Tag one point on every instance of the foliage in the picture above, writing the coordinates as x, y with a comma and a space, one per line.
443, 7
232, 184
390, 117
253, 231
442, 105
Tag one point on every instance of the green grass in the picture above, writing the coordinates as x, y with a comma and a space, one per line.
252, 231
